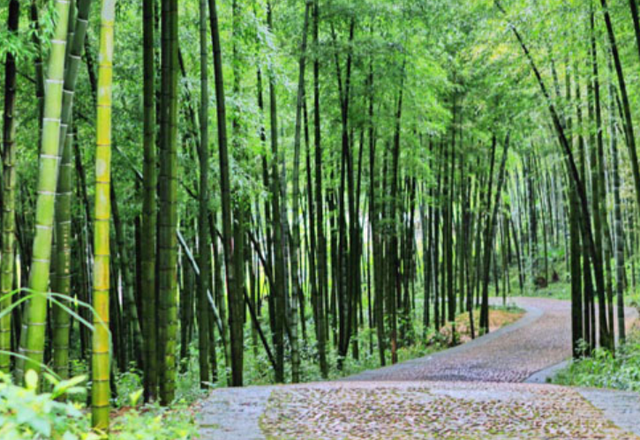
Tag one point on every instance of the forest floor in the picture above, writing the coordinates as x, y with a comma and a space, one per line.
472, 391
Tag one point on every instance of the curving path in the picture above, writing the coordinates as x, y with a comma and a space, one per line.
512, 354
473, 391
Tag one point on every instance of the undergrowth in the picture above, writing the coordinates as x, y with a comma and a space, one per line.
27, 413
606, 370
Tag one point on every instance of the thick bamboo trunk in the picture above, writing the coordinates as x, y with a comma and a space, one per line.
32, 341
101, 359
8, 193
167, 196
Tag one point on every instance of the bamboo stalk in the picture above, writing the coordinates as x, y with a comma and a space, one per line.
100, 393
32, 343
8, 193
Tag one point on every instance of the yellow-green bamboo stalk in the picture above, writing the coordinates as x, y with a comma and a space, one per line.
101, 356
32, 346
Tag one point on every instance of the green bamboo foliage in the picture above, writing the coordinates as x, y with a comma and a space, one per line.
8, 198
32, 344
100, 392
149, 207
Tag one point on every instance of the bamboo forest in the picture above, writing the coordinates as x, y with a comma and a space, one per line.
319, 219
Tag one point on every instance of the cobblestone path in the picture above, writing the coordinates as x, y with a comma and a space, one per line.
473, 391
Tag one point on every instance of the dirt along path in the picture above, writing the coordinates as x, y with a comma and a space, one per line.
473, 391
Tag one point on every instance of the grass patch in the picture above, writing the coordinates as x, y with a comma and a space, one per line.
604, 370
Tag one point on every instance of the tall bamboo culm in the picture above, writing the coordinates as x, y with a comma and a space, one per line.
62, 279
32, 341
149, 207
205, 320
100, 363
168, 221
8, 198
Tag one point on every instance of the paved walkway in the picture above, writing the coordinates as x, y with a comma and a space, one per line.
473, 391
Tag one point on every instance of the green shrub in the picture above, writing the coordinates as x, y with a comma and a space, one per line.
155, 423
25, 414
604, 370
